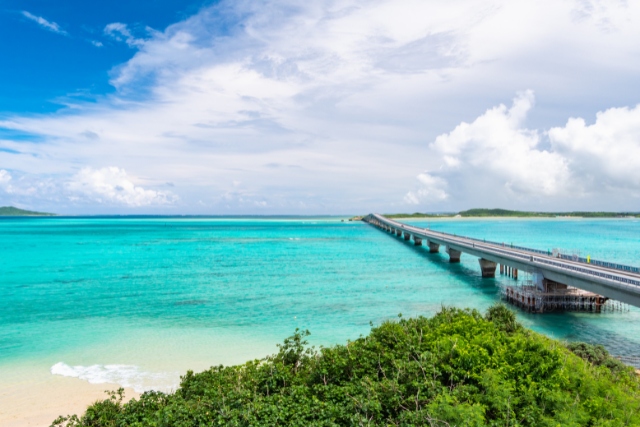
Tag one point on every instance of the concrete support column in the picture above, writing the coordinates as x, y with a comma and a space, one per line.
407, 236
398, 232
433, 247
488, 267
454, 256
417, 240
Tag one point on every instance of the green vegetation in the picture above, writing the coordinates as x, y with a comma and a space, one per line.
458, 368
518, 214
503, 212
418, 215
11, 211
508, 213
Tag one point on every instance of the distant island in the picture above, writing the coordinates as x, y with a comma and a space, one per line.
11, 211
480, 213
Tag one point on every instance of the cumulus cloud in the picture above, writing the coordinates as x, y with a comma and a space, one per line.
51, 26
496, 153
5, 177
432, 189
107, 187
604, 156
325, 106
111, 185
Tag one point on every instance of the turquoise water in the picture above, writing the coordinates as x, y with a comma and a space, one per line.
140, 301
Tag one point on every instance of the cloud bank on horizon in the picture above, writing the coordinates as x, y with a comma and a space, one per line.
340, 107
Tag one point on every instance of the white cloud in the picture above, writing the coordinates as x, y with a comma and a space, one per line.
495, 153
96, 43
121, 32
433, 189
106, 187
110, 186
334, 107
604, 156
51, 26
5, 177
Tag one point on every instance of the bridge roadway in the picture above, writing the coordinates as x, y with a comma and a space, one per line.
612, 283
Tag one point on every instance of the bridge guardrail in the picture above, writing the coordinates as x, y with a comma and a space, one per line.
544, 261
591, 272
583, 260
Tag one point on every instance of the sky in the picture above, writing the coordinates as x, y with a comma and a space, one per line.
319, 107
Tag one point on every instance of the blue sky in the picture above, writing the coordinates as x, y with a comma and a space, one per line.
43, 66
321, 107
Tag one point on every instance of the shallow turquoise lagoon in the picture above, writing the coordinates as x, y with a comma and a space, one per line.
139, 301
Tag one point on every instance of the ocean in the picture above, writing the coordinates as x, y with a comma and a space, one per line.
139, 301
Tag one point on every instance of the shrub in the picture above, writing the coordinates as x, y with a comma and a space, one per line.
458, 368
597, 355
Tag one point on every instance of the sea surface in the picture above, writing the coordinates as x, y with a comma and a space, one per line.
139, 301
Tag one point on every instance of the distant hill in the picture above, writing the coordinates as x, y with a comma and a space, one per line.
417, 215
504, 212
508, 213
475, 213
11, 211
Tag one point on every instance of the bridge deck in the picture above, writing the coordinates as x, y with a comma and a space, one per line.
613, 283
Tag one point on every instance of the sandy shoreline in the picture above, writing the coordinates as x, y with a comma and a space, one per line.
37, 405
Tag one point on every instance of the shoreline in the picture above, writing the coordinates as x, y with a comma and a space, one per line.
38, 405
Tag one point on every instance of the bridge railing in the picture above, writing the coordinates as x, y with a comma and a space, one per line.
599, 263
549, 262
591, 272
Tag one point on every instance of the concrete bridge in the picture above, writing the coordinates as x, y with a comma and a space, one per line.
610, 280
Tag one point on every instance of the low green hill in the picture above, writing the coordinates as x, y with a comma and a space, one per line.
11, 211
509, 213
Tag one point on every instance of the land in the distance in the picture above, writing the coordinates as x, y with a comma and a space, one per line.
11, 211
484, 213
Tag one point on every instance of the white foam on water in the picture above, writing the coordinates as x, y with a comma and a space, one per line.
124, 375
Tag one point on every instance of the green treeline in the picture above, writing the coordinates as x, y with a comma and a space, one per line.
518, 214
418, 215
505, 212
11, 211
458, 368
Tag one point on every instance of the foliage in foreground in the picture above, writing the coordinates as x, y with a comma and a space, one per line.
457, 368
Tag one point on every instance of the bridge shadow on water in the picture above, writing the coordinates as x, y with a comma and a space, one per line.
569, 326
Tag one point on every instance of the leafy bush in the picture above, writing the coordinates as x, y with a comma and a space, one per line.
597, 355
457, 368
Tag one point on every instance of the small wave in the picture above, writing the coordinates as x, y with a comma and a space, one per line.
124, 375
294, 238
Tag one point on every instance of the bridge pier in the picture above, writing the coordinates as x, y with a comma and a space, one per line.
433, 247
488, 267
407, 236
417, 241
454, 256
595, 280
